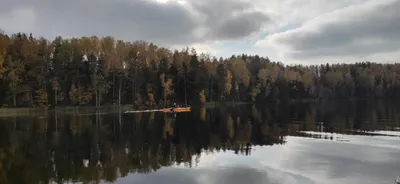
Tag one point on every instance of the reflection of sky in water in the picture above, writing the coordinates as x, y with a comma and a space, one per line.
300, 160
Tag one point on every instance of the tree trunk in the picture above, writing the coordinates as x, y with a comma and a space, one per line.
15, 100
31, 98
120, 118
113, 87
177, 83
56, 118
55, 98
96, 96
185, 91
237, 91
119, 96
119, 92
165, 98
99, 98
97, 119
79, 94
133, 89
211, 88
79, 89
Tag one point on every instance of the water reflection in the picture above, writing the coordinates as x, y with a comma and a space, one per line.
300, 143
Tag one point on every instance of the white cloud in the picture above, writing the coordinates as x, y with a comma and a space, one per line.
352, 33
20, 18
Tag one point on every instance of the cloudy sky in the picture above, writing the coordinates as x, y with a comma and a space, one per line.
291, 31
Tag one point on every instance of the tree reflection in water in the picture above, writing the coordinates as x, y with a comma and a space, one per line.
66, 147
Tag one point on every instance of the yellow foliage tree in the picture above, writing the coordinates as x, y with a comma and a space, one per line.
203, 113
41, 99
202, 97
73, 94
228, 83
2, 69
166, 86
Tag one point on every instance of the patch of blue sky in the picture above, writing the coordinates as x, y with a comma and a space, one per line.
287, 28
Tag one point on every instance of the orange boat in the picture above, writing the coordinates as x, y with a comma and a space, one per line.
176, 109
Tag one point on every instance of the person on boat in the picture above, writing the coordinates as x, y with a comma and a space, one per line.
173, 107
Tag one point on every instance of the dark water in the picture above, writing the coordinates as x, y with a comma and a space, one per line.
279, 144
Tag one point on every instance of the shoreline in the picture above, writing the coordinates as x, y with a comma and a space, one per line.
30, 111
33, 111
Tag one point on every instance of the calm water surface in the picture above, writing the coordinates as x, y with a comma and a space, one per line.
341, 142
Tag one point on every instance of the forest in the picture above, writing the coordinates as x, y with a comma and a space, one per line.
94, 71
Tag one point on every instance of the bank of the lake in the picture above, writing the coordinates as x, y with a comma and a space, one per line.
29, 111
25, 111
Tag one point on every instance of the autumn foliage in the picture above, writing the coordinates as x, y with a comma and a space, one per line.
102, 71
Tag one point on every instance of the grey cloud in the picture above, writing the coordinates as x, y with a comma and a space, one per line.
125, 20
375, 30
163, 23
239, 27
230, 19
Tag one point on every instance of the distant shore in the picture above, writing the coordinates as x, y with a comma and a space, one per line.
32, 111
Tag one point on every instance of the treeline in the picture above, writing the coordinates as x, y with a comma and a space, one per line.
98, 71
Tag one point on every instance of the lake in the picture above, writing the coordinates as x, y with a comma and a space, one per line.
310, 143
